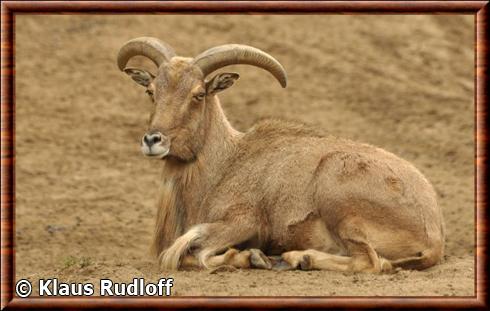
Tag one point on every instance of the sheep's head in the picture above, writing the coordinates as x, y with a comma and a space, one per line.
180, 90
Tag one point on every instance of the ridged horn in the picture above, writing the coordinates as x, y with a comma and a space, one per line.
231, 54
153, 48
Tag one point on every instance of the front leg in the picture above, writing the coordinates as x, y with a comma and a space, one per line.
232, 257
207, 240
249, 258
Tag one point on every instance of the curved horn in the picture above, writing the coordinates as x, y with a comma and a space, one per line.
156, 50
230, 54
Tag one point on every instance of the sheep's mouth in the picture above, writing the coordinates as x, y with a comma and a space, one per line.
155, 151
157, 155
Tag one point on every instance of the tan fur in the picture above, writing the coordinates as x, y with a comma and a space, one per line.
169, 218
320, 201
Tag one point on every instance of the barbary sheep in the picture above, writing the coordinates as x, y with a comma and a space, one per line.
281, 188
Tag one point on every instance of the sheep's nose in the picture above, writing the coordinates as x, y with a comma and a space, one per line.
152, 139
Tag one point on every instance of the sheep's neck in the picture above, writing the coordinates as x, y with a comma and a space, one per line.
220, 142
185, 184
201, 175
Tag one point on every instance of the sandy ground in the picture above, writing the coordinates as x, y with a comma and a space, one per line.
86, 197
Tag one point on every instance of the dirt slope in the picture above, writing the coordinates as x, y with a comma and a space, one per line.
86, 196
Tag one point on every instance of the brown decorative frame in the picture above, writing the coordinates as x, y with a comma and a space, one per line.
9, 9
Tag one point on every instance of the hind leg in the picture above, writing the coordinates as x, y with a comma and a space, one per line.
353, 235
312, 259
362, 257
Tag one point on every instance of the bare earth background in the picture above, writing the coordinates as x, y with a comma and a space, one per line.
86, 197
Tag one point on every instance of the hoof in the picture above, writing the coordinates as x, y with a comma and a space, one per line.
259, 260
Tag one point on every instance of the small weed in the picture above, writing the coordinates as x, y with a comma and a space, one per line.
71, 261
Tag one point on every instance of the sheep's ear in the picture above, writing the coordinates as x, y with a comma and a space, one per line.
221, 82
140, 76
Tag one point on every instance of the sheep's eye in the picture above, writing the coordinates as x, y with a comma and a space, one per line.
199, 97
149, 92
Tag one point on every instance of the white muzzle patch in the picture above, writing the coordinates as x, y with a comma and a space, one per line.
155, 145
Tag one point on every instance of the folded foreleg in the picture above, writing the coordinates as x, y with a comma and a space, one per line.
211, 244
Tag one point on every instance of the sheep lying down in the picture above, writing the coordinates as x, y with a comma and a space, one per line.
280, 195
